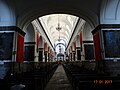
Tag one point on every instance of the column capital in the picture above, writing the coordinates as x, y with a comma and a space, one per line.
105, 26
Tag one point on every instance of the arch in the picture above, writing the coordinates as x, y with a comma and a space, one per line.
87, 35
57, 48
7, 15
29, 43
59, 44
36, 12
110, 12
30, 33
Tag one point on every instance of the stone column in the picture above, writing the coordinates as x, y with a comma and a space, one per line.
46, 56
73, 55
41, 54
78, 53
98, 48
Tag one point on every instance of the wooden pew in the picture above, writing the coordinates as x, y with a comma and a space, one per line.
82, 79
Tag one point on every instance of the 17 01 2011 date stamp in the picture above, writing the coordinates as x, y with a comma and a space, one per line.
103, 81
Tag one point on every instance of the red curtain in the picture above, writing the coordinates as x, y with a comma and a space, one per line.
20, 48
75, 44
45, 46
96, 39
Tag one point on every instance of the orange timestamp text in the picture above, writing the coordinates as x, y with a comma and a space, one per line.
103, 81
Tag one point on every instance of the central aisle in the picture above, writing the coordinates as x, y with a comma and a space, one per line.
59, 80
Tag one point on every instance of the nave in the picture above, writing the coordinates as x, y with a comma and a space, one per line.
59, 80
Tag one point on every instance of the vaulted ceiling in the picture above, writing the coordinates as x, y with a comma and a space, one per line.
59, 26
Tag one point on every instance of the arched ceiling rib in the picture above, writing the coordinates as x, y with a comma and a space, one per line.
66, 22
57, 36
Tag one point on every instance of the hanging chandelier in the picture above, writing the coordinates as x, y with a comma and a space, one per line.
58, 28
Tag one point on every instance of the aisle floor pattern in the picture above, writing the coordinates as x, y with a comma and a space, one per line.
59, 80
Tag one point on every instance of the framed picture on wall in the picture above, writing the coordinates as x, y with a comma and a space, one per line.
6, 45
111, 43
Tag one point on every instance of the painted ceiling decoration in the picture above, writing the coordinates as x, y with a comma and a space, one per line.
59, 27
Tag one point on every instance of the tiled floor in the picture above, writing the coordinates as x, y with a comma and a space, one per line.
59, 80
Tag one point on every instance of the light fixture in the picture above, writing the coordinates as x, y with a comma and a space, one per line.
58, 28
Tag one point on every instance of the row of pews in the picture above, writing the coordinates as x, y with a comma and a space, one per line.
84, 79
34, 79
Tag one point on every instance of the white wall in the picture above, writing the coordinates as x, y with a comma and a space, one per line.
78, 41
7, 16
30, 34
110, 12
87, 35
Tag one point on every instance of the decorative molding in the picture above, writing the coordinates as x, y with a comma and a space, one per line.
78, 48
12, 28
29, 42
105, 26
87, 41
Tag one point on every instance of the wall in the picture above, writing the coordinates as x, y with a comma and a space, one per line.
30, 34
110, 12
109, 16
87, 39
7, 15
29, 43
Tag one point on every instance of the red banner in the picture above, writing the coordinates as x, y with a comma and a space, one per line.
45, 46
20, 48
96, 39
75, 44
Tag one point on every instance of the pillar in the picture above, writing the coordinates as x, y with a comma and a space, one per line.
98, 48
106, 44
51, 55
12, 47
46, 55
37, 39
41, 50
29, 51
46, 52
73, 56
20, 51
78, 53
73, 47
